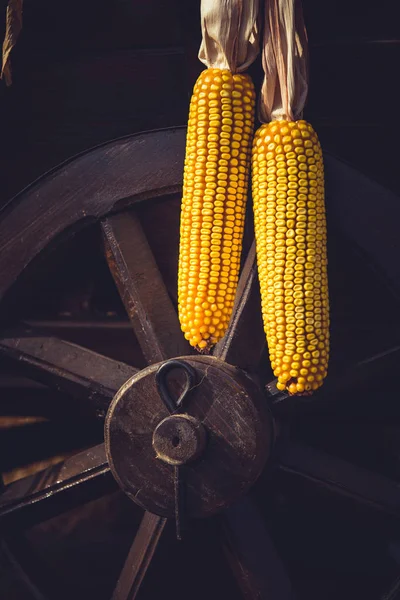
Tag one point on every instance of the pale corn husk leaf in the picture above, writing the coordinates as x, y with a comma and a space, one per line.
13, 29
285, 61
230, 34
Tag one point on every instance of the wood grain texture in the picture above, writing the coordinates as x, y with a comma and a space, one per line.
133, 169
139, 557
317, 469
142, 289
244, 340
68, 368
238, 439
252, 556
110, 337
106, 179
160, 222
56, 489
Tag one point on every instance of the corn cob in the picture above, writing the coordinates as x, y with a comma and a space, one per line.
290, 227
216, 170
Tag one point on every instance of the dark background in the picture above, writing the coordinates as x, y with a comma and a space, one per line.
87, 71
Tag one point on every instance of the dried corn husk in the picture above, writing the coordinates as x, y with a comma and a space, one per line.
230, 34
13, 29
285, 63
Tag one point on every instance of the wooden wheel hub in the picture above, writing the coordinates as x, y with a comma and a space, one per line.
179, 439
222, 438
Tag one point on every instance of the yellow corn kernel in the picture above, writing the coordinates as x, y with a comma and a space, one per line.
290, 228
215, 181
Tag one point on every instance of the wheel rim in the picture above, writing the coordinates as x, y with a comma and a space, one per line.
127, 259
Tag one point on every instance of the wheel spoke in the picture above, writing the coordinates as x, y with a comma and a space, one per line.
349, 386
245, 339
139, 557
67, 367
142, 289
114, 338
394, 592
350, 382
28, 584
38, 497
116, 174
332, 474
252, 556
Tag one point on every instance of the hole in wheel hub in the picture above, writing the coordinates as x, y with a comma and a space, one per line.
179, 439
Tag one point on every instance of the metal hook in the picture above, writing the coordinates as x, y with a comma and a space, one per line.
172, 405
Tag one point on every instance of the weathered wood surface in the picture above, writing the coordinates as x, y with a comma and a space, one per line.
67, 367
37, 497
111, 337
160, 222
142, 289
154, 319
108, 178
157, 329
244, 341
238, 439
252, 556
139, 557
310, 466
48, 120
113, 176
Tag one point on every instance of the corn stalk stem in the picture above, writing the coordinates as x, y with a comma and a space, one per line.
285, 62
230, 31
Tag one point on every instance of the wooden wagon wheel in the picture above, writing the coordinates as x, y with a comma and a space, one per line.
102, 185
